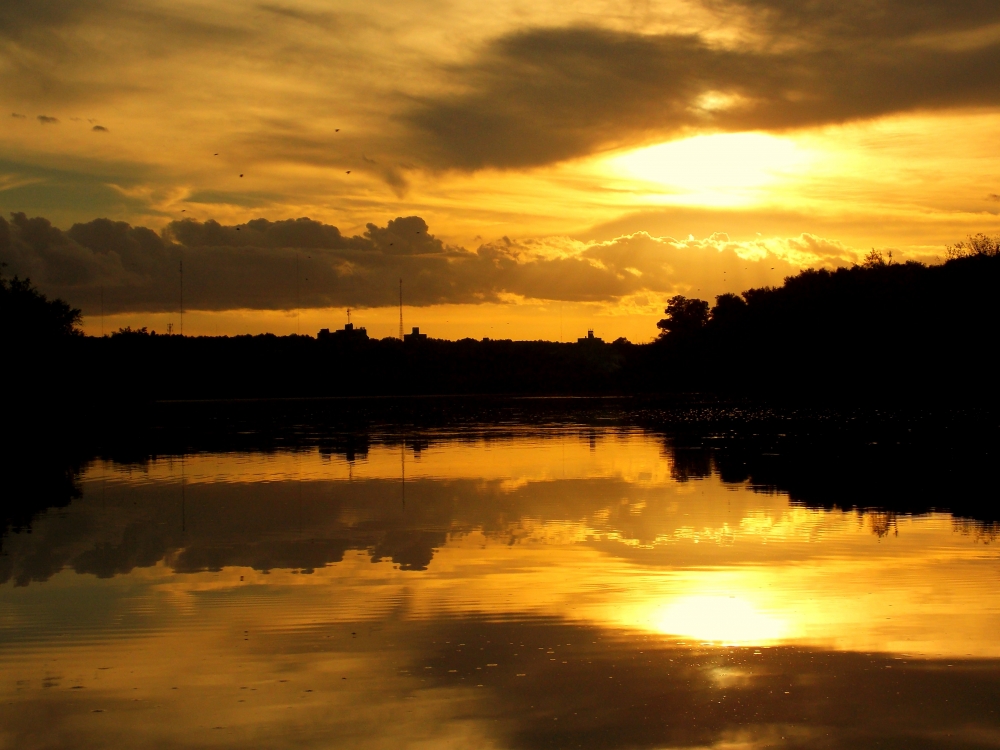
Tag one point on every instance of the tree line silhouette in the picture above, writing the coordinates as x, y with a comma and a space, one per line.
877, 331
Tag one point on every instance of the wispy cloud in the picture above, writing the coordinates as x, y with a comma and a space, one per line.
11, 181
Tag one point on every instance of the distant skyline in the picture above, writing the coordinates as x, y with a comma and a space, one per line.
573, 165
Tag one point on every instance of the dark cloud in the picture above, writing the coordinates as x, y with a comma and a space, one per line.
87, 50
545, 94
299, 233
99, 129
277, 265
257, 265
18, 19
324, 20
409, 236
16, 115
532, 96
45, 119
851, 20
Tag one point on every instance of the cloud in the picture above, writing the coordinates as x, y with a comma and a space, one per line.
323, 20
280, 265
559, 268
12, 181
523, 92
99, 129
46, 120
541, 95
993, 197
852, 20
17, 116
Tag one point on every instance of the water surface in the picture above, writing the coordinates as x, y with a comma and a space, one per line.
564, 587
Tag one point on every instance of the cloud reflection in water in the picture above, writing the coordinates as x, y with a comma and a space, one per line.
602, 590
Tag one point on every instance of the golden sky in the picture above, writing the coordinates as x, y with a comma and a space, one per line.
572, 165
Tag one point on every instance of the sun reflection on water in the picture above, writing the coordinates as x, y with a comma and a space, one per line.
726, 620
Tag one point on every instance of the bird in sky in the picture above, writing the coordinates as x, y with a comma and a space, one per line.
348, 171
336, 130
241, 175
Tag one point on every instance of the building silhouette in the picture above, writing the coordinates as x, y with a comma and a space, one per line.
347, 333
415, 335
590, 339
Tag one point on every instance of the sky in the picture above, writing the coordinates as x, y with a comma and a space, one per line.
528, 169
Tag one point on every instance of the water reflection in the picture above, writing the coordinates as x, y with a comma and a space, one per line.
556, 587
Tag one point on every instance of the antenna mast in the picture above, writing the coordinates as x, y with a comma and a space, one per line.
400, 309
182, 298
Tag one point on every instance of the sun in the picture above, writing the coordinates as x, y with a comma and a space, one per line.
706, 164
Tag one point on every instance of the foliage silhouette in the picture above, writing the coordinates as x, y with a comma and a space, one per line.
684, 316
39, 338
28, 315
878, 331
975, 245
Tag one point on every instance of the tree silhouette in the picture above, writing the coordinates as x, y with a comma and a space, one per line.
684, 316
728, 309
130, 331
829, 333
27, 314
975, 245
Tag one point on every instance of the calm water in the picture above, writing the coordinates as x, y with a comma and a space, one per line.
553, 588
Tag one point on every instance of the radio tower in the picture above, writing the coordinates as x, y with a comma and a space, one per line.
182, 297
400, 309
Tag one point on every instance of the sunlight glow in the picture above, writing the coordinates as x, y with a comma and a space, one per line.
727, 161
723, 619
